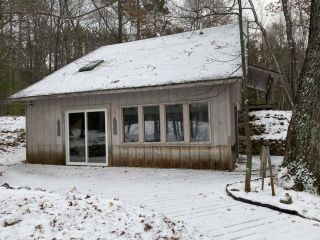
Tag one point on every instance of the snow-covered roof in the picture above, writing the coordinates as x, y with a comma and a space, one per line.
174, 59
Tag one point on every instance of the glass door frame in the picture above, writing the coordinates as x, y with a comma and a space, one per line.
85, 111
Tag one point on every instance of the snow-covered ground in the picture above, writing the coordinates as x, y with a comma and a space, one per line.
12, 140
19, 156
274, 123
26, 214
304, 203
194, 196
12, 124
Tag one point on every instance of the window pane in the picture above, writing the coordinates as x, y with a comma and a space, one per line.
77, 138
131, 126
151, 124
96, 137
174, 123
199, 122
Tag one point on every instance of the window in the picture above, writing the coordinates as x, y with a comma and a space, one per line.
174, 123
171, 120
151, 124
199, 122
130, 124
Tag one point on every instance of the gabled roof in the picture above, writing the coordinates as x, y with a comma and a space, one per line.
174, 59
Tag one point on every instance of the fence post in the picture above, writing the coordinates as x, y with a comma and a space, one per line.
270, 170
263, 164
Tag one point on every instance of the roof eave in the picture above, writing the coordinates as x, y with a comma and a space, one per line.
230, 80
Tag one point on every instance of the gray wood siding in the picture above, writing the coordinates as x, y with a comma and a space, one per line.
164, 156
45, 146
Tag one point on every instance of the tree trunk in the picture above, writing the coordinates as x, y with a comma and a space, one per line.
303, 142
138, 20
245, 104
292, 45
120, 27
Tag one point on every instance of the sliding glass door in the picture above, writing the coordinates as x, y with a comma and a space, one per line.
77, 138
86, 137
96, 137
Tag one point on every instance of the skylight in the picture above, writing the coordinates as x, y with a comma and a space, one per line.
91, 65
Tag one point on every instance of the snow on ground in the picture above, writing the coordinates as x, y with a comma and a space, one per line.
196, 197
304, 203
274, 123
12, 140
19, 156
26, 214
12, 123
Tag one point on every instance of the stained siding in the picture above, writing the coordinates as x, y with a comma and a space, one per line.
191, 156
45, 146
235, 103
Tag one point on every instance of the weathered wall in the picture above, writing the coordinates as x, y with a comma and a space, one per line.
235, 107
46, 146
174, 156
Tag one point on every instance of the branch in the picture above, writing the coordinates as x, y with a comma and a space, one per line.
266, 38
102, 16
48, 14
228, 11
3, 59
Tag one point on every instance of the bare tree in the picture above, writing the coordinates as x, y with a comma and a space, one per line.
245, 101
292, 45
191, 14
120, 21
266, 38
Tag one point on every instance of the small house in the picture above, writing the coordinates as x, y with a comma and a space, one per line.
167, 102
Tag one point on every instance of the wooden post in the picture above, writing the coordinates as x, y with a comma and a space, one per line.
270, 169
263, 164
261, 160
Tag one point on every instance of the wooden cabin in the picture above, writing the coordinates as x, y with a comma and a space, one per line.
167, 102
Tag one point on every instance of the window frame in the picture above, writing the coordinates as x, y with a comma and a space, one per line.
183, 124
67, 141
122, 125
163, 130
143, 124
209, 123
